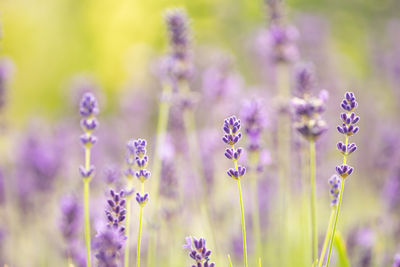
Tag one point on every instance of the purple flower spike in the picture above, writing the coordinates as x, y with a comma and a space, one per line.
109, 244
307, 109
232, 135
334, 183
198, 252
180, 66
254, 123
116, 211
304, 78
347, 128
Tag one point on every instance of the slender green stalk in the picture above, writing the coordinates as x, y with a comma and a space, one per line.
338, 208
313, 204
242, 213
139, 237
243, 223
327, 237
128, 223
230, 262
259, 262
140, 230
86, 198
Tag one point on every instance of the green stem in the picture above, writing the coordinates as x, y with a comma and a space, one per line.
140, 230
139, 237
128, 223
338, 207
241, 213
243, 223
259, 262
230, 262
336, 219
327, 236
313, 203
86, 196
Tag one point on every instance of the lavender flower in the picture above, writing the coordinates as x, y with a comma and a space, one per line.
142, 174
70, 225
396, 261
220, 81
109, 243
307, 115
71, 218
254, 122
349, 120
178, 30
232, 136
334, 183
282, 43
198, 252
348, 128
88, 110
116, 210
304, 78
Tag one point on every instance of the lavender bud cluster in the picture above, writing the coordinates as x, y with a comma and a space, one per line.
282, 40
142, 174
88, 110
253, 124
178, 30
334, 183
307, 109
348, 128
198, 252
232, 136
116, 210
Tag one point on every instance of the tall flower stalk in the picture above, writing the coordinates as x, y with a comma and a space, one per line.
334, 183
232, 135
176, 69
142, 174
253, 126
308, 122
348, 128
129, 174
88, 110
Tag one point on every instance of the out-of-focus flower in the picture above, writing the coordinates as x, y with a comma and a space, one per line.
391, 191
334, 183
109, 243
180, 66
396, 261
254, 121
219, 80
70, 226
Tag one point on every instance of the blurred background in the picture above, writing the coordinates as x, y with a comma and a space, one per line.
54, 50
